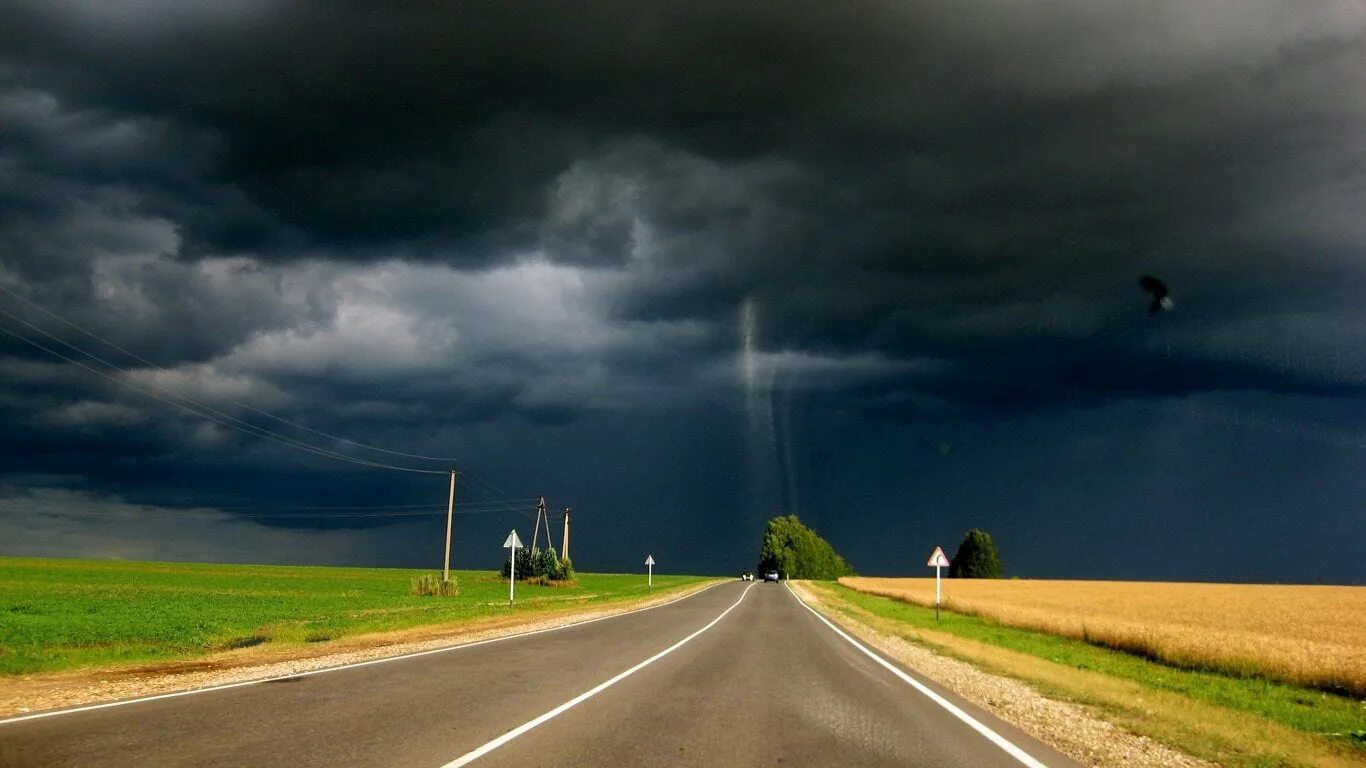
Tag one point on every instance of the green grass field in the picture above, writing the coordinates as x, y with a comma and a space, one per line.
1337, 720
69, 614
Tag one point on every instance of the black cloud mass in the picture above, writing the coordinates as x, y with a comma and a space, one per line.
683, 267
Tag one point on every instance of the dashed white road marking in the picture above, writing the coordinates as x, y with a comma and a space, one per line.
473, 755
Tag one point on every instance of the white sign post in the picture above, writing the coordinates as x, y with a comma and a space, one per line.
650, 564
512, 544
937, 560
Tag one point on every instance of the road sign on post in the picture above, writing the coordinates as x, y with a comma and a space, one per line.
650, 564
512, 544
937, 561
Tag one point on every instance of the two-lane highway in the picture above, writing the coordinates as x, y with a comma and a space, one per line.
738, 674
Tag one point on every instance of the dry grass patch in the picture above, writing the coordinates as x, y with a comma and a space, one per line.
432, 585
1306, 635
546, 581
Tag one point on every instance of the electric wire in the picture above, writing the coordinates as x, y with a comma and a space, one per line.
210, 409
212, 512
226, 420
489, 489
486, 488
458, 505
254, 409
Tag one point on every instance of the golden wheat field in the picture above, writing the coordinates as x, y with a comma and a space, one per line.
1308, 635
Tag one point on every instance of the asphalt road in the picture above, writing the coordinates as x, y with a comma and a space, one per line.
757, 680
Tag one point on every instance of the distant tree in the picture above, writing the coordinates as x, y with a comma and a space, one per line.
977, 557
540, 564
798, 552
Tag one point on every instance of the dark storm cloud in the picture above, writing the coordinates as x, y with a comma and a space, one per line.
919, 181
438, 132
422, 225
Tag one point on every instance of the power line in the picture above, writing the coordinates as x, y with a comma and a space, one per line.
254, 409
490, 490
458, 505
256, 429
226, 420
294, 511
213, 512
493, 493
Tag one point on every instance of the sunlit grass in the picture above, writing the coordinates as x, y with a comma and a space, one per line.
65, 614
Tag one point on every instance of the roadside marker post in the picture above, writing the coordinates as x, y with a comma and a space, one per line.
938, 561
512, 545
650, 565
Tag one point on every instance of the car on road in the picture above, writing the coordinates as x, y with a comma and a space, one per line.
746, 576
771, 576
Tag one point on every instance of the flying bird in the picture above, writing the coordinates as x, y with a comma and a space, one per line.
1158, 290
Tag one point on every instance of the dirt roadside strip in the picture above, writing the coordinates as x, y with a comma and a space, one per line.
30, 694
1067, 727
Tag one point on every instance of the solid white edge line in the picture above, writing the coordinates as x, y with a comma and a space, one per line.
972, 722
473, 755
352, 665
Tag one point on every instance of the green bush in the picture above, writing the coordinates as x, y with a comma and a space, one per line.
524, 564
431, 585
977, 557
545, 564
798, 552
542, 564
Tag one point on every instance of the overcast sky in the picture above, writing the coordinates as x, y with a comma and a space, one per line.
683, 267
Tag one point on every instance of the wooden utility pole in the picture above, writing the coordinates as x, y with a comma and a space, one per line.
564, 542
450, 511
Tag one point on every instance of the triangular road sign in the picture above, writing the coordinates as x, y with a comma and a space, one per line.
512, 540
937, 558
649, 559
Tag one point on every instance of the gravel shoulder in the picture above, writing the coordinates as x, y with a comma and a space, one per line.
1067, 727
59, 690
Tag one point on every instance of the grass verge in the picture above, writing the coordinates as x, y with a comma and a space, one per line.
75, 614
1229, 720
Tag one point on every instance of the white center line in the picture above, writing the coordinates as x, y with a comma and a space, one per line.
995, 738
471, 756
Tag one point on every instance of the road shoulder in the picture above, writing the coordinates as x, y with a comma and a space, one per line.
1067, 727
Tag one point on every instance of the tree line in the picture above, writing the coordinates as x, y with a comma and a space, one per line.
797, 552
